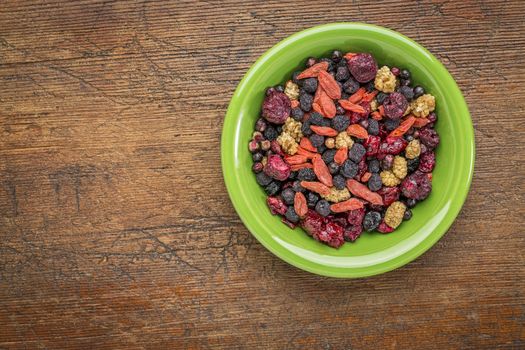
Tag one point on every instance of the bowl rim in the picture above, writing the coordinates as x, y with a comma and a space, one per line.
314, 267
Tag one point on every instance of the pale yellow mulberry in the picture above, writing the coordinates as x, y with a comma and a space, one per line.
293, 128
413, 149
343, 140
336, 195
385, 80
394, 214
291, 90
399, 167
389, 179
423, 105
288, 143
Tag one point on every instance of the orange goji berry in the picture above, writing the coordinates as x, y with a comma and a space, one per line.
324, 130
313, 71
341, 155
349, 106
349, 55
376, 115
316, 187
307, 145
296, 167
296, 159
369, 96
366, 176
321, 171
381, 110
357, 131
421, 122
360, 190
329, 85
305, 153
327, 105
403, 127
299, 204
357, 96
350, 204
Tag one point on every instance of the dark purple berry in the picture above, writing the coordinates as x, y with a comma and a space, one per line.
305, 102
408, 92
297, 114
276, 107
316, 140
288, 195
411, 203
270, 133
257, 167
312, 199
432, 117
273, 188
418, 91
375, 183
349, 169
405, 82
315, 118
395, 105
277, 168
276, 205
337, 56
386, 163
373, 166
395, 71
339, 182
296, 185
350, 86
291, 215
257, 157
363, 67
429, 138
295, 80
340, 122
305, 129
373, 127
338, 109
371, 221
279, 88
260, 125
342, 74
306, 174
412, 165
380, 97
334, 168
416, 186
364, 123
356, 152
323, 208
263, 179
310, 85
427, 161
328, 156
404, 74
408, 215
391, 124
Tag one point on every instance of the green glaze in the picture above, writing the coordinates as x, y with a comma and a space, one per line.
372, 253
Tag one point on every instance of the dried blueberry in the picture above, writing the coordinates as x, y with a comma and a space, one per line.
373, 166
380, 98
350, 86
316, 140
338, 109
291, 215
331, 64
305, 129
297, 114
340, 122
375, 183
293, 175
408, 215
310, 85
312, 199
404, 74
333, 168
418, 91
323, 208
322, 148
408, 92
342, 74
306, 174
339, 182
357, 152
316, 118
405, 82
295, 80
411, 203
349, 169
373, 127
337, 55
363, 67
305, 102
391, 124
296, 186
272, 188
263, 179
370, 86
328, 156
270, 133
371, 221
395, 105
288, 195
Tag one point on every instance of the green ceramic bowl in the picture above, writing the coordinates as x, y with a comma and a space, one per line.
372, 253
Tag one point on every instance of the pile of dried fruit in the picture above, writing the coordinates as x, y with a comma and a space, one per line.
345, 147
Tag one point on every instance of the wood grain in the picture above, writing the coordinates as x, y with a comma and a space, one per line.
116, 229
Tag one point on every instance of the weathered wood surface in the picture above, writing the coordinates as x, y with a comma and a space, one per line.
116, 229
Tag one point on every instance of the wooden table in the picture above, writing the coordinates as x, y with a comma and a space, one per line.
116, 229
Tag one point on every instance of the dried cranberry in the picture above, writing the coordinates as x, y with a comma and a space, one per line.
392, 146
363, 167
384, 228
312, 222
372, 145
322, 229
277, 168
387, 162
429, 138
276, 107
276, 205
427, 161
352, 232
363, 67
416, 186
389, 194
395, 105
355, 217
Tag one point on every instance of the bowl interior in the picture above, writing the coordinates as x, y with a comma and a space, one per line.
372, 253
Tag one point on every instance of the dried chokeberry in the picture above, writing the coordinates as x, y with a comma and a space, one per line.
339, 182
297, 114
288, 195
356, 152
373, 127
371, 220
306, 174
328, 156
349, 169
305, 102
310, 85
373, 166
323, 207
374, 182
291, 215
340, 122
273, 188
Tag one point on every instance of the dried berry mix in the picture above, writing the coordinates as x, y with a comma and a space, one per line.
345, 147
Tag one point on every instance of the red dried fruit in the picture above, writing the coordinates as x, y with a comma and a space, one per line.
392, 146
366, 176
313, 71
376, 115
305, 153
327, 105
276, 107
352, 232
322, 229
389, 194
349, 55
403, 127
301, 166
324, 130
321, 171
294, 103
416, 186
357, 131
372, 144
341, 155
429, 138
363, 67
316, 187
384, 228
312, 222
355, 217
349, 106
300, 205
369, 96
395, 105
427, 161
276, 205
276, 148
329, 85
296, 159
307, 145
362, 168
317, 108
277, 168
357, 96
360, 190
350, 204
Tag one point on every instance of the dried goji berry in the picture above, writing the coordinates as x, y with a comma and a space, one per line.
357, 131
316, 187
329, 85
357, 96
421, 122
296, 167
296, 159
324, 130
307, 145
306, 153
403, 127
294, 103
348, 205
381, 110
341, 155
369, 96
317, 108
321, 171
366, 176
299, 204
360, 190
313, 71
349, 106
327, 105
376, 115
349, 55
